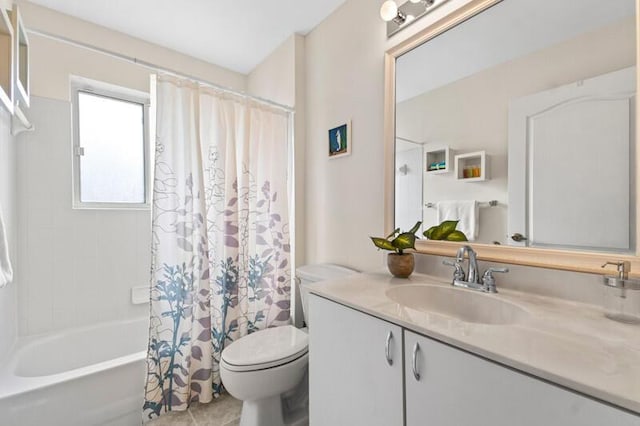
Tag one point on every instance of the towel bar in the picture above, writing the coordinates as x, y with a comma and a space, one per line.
492, 203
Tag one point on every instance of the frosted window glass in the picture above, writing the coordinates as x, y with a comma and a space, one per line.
111, 133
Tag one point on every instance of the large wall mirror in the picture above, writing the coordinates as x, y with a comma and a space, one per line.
519, 120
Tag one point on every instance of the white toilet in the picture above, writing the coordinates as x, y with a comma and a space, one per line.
267, 370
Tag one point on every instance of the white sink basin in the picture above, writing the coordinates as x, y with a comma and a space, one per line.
465, 305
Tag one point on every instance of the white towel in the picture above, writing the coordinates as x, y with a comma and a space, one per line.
465, 211
6, 272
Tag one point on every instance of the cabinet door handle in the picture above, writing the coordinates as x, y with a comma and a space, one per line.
387, 350
414, 364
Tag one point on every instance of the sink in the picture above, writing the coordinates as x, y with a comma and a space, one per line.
465, 305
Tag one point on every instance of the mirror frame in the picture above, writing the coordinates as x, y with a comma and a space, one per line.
578, 261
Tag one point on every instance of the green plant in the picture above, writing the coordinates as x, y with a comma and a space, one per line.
445, 231
401, 240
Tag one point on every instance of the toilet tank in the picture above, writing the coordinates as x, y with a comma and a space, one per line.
309, 274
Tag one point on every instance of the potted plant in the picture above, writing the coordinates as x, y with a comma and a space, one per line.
400, 264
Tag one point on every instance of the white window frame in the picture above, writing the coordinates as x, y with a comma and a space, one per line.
80, 84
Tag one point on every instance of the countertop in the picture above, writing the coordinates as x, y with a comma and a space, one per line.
567, 343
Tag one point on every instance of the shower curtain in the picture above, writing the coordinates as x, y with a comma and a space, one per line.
221, 251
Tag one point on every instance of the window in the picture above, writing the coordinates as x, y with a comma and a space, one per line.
111, 149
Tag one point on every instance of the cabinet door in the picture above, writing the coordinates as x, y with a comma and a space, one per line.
456, 388
351, 381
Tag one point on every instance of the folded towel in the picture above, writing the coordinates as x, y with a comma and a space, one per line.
6, 272
466, 212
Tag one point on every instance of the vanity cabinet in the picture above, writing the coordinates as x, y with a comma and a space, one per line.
452, 387
352, 382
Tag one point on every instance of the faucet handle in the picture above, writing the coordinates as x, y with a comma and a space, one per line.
458, 274
491, 270
489, 281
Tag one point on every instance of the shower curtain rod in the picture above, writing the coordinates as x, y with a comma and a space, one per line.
157, 68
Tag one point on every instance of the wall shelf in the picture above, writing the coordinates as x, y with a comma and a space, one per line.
21, 58
6, 61
441, 156
472, 167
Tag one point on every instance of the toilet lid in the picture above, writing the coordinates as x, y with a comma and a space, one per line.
266, 348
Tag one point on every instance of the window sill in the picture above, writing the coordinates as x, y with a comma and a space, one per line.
111, 206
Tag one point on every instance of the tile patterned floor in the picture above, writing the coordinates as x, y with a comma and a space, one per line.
224, 411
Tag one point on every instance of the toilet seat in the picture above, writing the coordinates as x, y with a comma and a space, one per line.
264, 349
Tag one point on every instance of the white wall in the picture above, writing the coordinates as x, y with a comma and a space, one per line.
345, 80
78, 266
8, 197
344, 197
281, 78
275, 77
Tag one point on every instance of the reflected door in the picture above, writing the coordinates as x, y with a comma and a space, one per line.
571, 156
408, 202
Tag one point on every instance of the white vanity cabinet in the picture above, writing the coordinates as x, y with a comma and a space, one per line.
352, 383
457, 388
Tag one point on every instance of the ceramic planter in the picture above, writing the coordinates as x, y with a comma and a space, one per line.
400, 265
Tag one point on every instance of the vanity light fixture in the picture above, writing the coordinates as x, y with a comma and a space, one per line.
398, 18
389, 12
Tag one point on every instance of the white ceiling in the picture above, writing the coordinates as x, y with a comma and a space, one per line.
235, 34
508, 30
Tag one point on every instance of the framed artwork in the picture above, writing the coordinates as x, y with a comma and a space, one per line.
340, 140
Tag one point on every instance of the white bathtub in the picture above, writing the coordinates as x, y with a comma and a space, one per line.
85, 376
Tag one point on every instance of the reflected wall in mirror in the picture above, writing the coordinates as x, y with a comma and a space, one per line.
530, 106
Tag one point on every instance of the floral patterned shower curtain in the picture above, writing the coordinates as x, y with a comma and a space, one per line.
221, 249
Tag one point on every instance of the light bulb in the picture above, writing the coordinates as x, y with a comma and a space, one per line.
388, 10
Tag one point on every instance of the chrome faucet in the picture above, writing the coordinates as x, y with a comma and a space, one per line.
473, 280
472, 275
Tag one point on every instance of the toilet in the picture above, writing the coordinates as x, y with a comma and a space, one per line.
267, 369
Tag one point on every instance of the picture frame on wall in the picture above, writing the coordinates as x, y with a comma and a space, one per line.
340, 140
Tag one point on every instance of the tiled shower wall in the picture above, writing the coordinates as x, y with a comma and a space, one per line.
77, 267
8, 294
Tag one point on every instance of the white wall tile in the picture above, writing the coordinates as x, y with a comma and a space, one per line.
79, 265
8, 187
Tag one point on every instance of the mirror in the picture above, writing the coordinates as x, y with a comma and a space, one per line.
520, 123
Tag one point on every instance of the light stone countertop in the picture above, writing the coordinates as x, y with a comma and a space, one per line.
568, 343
